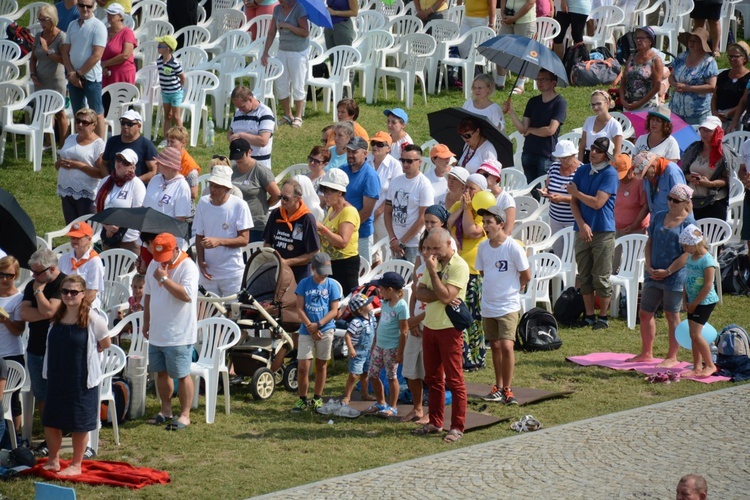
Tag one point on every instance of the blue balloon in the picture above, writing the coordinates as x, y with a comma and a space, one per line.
682, 334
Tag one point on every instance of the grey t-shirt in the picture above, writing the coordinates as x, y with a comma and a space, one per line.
253, 185
289, 41
50, 74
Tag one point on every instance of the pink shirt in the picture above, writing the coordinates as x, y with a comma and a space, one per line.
630, 198
125, 71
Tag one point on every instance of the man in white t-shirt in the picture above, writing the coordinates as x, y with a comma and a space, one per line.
408, 197
503, 264
222, 227
171, 292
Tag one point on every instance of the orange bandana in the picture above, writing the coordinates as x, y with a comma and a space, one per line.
301, 211
79, 263
176, 263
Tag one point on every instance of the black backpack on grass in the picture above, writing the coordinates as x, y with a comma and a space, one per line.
574, 55
735, 270
537, 331
569, 306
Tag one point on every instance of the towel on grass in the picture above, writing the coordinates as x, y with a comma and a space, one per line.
618, 361
103, 472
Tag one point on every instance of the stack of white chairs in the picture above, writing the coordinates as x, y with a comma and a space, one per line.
112, 361
444, 32
342, 60
372, 46
629, 276
544, 267
151, 29
367, 21
147, 80
475, 36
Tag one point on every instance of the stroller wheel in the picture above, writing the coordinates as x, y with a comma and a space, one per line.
290, 377
263, 384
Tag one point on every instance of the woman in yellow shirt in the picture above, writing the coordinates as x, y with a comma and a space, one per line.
466, 227
339, 231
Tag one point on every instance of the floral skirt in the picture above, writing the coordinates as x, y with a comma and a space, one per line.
474, 335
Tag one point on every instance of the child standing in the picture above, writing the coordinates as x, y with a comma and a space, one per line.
172, 81
397, 120
482, 87
699, 298
389, 343
134, 301
359, 337
317, 305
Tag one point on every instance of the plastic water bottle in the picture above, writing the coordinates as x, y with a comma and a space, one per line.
211, 133
714, 352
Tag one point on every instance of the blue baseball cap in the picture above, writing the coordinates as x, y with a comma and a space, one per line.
390, 280
398, 113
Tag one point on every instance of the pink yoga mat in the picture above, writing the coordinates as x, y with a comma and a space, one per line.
618, 361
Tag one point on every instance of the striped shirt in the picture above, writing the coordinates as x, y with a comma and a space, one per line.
261, 119
559, 212
169, 75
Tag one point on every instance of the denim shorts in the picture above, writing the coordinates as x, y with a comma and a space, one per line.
91, 93
175, 360
173, 99
361, 363
38, 383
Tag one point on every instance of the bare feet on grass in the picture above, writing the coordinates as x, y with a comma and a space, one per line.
73, 470
668, 363
708, 371
641, 358
424, 420
412, 416
52, 465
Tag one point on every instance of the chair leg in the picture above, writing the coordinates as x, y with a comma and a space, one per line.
112, 412
38, 149
94, 435
196, 391
614, 303
27, 403
212, 386
227, 400
12, 431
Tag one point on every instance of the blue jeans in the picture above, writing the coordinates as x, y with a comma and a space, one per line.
534, 165
90, 95
38, 383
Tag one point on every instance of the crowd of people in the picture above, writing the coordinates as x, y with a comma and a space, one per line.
451, 218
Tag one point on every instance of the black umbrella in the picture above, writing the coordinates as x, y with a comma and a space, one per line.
143, 219
443, 128
523, 56
17, 233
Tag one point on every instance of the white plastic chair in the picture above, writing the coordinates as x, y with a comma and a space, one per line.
364, 267
211, 306
674, 13
234, 41
112, 361
444, 32
627, 128
10, 94
532, 233
218, 335
367, 21
224, 66
342, 60
418, 48
717, 233
147, 52
223, 20
44, 105
455, 14
607, 18
734, 218
544, 267
113, 298
262, 78
291, 171
149, 10
9, 51
518, 141
402, 267
147, 80
15, 380
574, 137
372, 46
390, 11
8, 8
152, 29
50, 236
628, 148
567, 275
728, 22
191, 58
197, 85
261, 25
474, 37
735, 140
381, 248
192, 37
122, 95
119, 265
512, 179
547, 29
630, 275
526, 207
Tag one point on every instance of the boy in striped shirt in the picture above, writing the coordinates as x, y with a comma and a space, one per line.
172, 81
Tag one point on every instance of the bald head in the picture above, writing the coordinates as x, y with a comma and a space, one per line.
692, 487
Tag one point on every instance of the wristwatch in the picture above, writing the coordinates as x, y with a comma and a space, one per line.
163, 279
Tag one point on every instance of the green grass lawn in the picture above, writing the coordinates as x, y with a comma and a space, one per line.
262, 447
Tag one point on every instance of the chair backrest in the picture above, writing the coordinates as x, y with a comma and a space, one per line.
138, 343
10, 93
735, 140
250, 249
532, 232
147, 51
544, 267
153, 28
525, 207
391, 10
567, 235
150, 10
51, 235
402, 267
370, 45
546, 30
627, 127
147, 80
193, 37
8, 71
120, 94
736, 188
114, 293
217, 335
264, 76
9, 50
607, 17
234, 41
442, 30
418, 47
455, 14
633, 248
574, 137
382, 246
674, 10
224, 20
211, 307
716, 231
512, 178
477, 36
191, 57
364, 266
14, 382
197, 85
734, 218
119, 264
261, 24
628, 148
403, 25
518, 141
369, 20
291, 171
8, 8
46, 104
112, 360
342, 59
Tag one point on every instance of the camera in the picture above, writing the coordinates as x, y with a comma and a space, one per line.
509, 12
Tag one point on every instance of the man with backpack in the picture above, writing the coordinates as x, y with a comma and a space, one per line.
503, 264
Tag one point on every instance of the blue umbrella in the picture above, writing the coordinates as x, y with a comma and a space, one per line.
317, 12
523, 56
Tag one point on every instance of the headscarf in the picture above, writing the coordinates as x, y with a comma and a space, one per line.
479, 180
310, 197
682, 192
691, 235
438, 211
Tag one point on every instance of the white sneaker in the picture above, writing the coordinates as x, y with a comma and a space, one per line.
346, 411
330, 407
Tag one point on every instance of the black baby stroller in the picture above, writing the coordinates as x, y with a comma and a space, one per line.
266, 312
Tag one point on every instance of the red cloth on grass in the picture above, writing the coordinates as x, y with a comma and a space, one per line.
98, 472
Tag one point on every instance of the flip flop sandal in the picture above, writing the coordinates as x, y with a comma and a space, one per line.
388, 412
426, 430
159, 419
176, 426
453, 436
517, 91
286, 120
526, 424
297, 122
375, 409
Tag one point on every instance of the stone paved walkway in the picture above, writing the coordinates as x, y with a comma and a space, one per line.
640, 453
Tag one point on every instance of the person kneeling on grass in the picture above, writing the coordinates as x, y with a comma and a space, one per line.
389, 343
503, 264
699, 298
317, 304
359, 337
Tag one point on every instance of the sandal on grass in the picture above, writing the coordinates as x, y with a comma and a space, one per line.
388, 411
526, 424
375, 409
286, 120
297, 122
453, 436
426, 430
159, 419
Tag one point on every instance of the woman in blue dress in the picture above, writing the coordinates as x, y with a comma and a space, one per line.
72, 370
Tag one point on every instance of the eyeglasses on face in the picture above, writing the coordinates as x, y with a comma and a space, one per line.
85, 6
68, 291
376, 144
327, 190
39, 273
409, 161
597, 104
43, 19
123, 162
674, 200
287, 198
314, 161
486, 175
7, 276
468, 135
128, 123
162, 46
734, 56
85, 123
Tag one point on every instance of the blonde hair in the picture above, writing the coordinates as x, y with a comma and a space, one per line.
49, 11
606, 96
178, 133
486, 79
10, 261
88, 113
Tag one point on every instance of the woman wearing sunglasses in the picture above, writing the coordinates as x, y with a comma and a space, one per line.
317, 162
11, 326
665, 273
77, 174
76, 337
477, 148
45, 66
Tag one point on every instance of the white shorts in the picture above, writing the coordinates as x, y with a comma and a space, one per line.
222, 287
294, 75
468, 23
413, 365
322, 347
